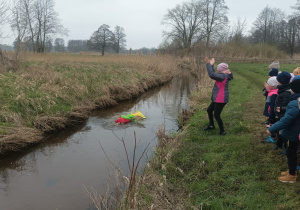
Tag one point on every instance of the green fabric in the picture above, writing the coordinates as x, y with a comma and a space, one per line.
128, 117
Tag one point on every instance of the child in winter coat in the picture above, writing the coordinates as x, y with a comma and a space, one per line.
282, 100
270, 101
274, 68
220, 93
290, 126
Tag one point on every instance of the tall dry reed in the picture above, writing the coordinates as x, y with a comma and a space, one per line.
239, 51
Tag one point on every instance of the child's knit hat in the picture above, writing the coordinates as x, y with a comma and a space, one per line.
273, 72
272, 82
274, 65
222, 67
284, 78
295, 85
296, 72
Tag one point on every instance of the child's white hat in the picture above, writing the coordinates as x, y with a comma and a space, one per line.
272, 81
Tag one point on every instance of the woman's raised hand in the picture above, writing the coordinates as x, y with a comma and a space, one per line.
206, 60
211, 61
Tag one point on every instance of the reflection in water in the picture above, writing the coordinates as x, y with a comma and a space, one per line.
52, 174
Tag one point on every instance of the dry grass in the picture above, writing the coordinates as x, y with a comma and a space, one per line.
203, 87
154, 192
19, 138
240, 51
50, 92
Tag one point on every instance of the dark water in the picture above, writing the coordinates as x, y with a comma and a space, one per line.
53, 174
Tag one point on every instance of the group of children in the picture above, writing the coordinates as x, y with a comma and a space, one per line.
282, 91
282, 108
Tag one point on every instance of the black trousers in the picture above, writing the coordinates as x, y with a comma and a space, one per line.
281, 142
215, 110
292, 156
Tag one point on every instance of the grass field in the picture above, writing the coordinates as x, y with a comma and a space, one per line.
236, 171
49, 92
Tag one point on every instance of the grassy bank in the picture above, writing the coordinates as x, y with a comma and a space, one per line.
49, 92
237, 171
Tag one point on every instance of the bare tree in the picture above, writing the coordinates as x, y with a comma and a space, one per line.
49, 23
195, 21
297, 8
19, 24
3, 21
101, 39
185, 21
41, 21
266, 27
119, 39
3, 15
291, 33
238, 29
59, 45
215, 18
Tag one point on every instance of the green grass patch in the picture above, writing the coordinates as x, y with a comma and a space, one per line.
236, 171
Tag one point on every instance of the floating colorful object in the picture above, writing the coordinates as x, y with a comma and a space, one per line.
138, 114
122, 120
130, 117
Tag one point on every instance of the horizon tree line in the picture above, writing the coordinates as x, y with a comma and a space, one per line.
35, 23
102, 40
206, 22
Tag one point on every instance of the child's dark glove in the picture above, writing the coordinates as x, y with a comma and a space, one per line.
265, 92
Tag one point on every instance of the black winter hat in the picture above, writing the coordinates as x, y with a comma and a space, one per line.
284, 78
295, 86
273, 72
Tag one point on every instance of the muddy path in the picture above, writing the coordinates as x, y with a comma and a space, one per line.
53, 174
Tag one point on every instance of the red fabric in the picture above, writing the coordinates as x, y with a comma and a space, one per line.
122, 120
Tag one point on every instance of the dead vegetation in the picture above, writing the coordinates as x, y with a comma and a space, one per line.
154, 190
124, 186
6, 64
19, 138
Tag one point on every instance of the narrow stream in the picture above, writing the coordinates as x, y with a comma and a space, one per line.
53, 174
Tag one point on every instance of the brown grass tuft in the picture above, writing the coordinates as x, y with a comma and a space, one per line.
19, 138
104, 102
48, 124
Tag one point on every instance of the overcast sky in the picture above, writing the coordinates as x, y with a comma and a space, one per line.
141, 19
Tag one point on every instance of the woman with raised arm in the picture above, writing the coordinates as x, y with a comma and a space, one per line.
220, 93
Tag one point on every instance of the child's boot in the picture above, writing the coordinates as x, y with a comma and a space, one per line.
209, 127
283, 152
288, 178
222, 133
284, 173
269, 140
